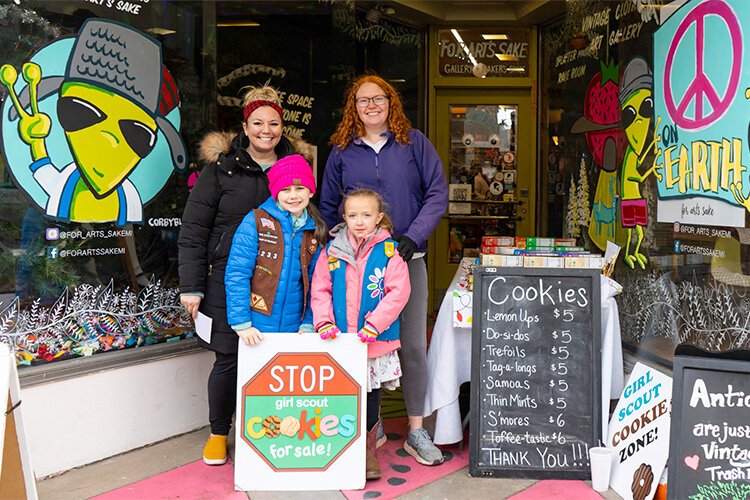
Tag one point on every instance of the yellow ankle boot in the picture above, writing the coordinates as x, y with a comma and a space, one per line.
215, 451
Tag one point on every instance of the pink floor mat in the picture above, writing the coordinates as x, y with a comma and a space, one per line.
557, 489
400, 472
194, 480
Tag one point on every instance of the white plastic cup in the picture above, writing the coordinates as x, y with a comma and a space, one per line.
601, 465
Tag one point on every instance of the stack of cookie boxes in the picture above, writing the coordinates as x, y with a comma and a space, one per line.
508, 251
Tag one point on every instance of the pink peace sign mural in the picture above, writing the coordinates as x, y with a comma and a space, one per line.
702, 89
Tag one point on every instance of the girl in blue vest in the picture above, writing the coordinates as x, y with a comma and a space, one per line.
361, 284
273, 254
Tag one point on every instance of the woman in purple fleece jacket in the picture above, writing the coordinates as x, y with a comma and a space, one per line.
375, 147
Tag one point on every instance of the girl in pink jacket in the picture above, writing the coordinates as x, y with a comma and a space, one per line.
361, 284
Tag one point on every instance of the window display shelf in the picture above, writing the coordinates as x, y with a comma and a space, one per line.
489, 202
458, 144
485, 217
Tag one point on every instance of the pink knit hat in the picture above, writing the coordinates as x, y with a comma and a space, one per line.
292, 170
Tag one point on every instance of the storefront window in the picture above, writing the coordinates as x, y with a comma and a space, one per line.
650, 155
310, 51
89, 221
95, 172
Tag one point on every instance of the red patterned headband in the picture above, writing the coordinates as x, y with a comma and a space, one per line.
253, 105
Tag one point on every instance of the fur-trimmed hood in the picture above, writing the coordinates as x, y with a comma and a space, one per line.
214, 144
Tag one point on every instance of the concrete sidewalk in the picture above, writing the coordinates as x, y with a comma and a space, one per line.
115, 472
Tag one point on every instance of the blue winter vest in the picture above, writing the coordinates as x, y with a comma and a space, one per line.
372, 288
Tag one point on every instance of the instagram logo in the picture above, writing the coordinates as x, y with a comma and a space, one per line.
52, 233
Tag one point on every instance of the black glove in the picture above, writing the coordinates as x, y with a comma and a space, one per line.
406, 247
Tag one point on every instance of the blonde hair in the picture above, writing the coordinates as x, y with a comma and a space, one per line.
351, 126
264, 93
385, 222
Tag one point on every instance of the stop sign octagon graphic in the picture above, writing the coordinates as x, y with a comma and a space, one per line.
300, 411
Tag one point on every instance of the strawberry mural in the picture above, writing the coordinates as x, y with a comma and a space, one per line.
600, 124
601, 119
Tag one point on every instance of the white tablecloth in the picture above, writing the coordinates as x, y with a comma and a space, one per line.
449, 361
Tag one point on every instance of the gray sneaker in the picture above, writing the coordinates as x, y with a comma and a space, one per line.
420, 446
381, 437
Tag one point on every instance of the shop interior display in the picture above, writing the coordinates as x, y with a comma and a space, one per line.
483, 177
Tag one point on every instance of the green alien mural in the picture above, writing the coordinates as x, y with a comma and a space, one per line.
115, 105
637, 113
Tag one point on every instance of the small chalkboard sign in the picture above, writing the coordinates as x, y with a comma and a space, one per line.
536, 371
709, 454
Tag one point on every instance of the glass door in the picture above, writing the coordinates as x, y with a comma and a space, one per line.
485, 140
482, 176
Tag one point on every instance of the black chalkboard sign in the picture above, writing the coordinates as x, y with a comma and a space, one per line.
536, 376
709, 450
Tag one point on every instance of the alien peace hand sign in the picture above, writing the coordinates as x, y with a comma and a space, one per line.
35, 127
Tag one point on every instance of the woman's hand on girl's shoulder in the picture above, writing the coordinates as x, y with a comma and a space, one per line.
250, 336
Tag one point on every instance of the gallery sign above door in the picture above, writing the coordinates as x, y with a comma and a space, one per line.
482, 53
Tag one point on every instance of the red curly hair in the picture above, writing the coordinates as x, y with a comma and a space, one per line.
351, 126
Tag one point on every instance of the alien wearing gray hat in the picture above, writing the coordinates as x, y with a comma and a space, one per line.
111, 104
637, 113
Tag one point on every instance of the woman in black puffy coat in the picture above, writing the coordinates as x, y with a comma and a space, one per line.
232, 183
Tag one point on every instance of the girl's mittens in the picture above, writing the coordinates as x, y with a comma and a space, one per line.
368, 333
306, 328
328, 331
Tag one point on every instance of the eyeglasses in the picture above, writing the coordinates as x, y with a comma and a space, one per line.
629, 114
363, 102
76, 114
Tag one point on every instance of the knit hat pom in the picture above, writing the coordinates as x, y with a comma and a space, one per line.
290, 170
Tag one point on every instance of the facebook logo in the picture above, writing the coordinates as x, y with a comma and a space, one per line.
52, 252
52, 233
677, 246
